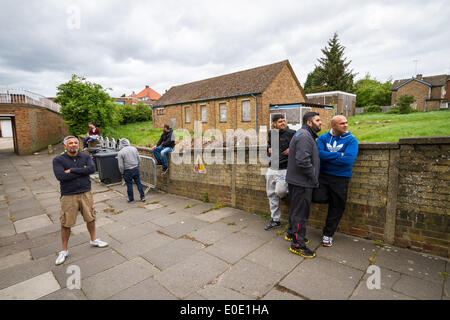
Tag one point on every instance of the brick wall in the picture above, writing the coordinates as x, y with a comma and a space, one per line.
36, 127
399, 192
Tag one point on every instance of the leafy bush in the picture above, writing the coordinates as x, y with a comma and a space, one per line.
82, 102
404, 103
372, 108
394, 110
137, 113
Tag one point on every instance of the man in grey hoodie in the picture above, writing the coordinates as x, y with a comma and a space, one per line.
129, 161
302, 177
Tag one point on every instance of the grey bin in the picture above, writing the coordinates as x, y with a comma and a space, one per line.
108, 167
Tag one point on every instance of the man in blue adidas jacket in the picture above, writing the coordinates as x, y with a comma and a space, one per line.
338, 149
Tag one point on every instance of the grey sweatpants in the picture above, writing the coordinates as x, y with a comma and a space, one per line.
276, 188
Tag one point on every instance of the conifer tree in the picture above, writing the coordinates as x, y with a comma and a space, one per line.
332, 72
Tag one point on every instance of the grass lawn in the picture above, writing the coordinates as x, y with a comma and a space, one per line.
139, 133
382, 127
370, 127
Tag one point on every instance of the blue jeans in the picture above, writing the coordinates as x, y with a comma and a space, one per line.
130, 175
160, 154
87, 139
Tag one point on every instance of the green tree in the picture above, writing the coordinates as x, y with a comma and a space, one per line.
82, 102
372, 92
404, 103
308, 87
332, 72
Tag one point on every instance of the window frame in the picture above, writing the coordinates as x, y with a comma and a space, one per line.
249, 110
222, 104
201, 113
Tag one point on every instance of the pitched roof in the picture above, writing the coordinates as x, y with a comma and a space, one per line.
254, 80
149, 93
434, 81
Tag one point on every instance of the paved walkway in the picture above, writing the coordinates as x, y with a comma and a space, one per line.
173, 247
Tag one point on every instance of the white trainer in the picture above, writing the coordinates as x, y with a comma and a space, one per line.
98, 243
61, 257
327, 241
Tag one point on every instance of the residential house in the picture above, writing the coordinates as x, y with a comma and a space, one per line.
431, 93
239, 100
148, 96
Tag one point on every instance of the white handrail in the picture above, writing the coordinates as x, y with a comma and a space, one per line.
8, 95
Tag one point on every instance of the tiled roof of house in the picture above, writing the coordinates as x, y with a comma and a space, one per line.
149, 93
435, 81
253, 80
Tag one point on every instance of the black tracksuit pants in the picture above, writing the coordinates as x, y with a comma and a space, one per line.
300, 202
332, 190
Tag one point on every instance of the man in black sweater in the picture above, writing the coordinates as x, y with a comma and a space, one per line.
302, 177
278, 150
165, 145
72, 168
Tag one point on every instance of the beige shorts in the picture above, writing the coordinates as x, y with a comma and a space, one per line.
71, 204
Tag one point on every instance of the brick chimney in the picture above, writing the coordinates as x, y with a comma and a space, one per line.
146, 87
419, 76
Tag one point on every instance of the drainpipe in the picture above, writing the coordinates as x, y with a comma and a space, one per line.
256, 112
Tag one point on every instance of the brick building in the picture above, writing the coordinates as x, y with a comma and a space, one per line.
431, 93
36, 121
344, 102
239, 100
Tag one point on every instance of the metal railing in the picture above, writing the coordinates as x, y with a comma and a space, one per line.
26, 97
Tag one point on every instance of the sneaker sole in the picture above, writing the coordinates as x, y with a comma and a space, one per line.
327, 245
290, 240
302, 255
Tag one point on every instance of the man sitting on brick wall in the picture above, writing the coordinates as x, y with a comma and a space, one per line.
165, 145
338, 149
276, 185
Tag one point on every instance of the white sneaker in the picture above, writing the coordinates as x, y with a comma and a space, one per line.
327, 241
61, 257
98, 243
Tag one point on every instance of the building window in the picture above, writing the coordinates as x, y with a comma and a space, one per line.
187, 114
203, 113
246, 110
160, 111
222, 112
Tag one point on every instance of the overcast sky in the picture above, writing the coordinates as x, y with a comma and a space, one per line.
125, 45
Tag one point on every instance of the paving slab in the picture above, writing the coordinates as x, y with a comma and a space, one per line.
99, 222
103, 196
65, 294
54, 247
250, 278
215, 292
7, 230
276, 256
127, 234
215, 215
32, 223
15, 259
104, 284
98, 261
142, 245
311, 276
172, 253
349, 251
419, 288
211, 233
277, 294
235, 247
183, 227
148, 289
54, 227
31, 289
191, 275
385, 292
418, 265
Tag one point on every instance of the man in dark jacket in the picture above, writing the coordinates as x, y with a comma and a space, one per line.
278, 150
165, 145
72, 168
302, 177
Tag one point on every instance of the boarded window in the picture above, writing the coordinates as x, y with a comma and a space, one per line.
173, 123
187, 114
203, 112
223, 112
246, 110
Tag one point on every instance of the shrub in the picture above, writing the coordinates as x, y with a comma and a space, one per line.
372, 108
404, 103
